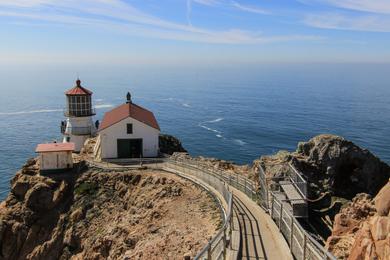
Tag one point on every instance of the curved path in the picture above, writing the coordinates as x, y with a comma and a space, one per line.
259, 236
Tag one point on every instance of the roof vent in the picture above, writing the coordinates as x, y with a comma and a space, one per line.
128, 97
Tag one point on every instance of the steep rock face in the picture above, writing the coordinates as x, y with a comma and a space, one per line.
333, 164
362, 228
169, 144
335, 169
139, 214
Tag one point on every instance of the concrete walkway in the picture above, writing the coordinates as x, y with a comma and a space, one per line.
259, 236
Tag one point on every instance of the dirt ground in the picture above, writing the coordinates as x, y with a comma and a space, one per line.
138, 214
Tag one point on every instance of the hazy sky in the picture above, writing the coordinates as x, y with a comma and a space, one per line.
191, 31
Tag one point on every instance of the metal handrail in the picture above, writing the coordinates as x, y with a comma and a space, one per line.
248, 187
321, 251
210, 247
298, 181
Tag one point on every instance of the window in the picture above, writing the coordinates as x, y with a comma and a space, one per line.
129, 128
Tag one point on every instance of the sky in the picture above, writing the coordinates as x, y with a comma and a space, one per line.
194, 31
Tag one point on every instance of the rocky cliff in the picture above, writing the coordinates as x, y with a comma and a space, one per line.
336, 171
362, 229
139, 214
169, 144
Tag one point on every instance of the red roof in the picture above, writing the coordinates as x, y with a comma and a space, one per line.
129, 110
78, 90
55, 147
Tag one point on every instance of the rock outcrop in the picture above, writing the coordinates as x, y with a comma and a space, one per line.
362, 228
139, 214
335, 169
169, 144
333, 164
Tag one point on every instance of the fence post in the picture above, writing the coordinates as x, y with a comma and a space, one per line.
209, 252
231, 230
292, 233
224, 245
304, 246
272, 207
281, 214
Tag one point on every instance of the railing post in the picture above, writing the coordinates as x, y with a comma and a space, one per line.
209, 252
304, 246
272, 207
281, 214
224, 245
292, 233
245, 185
231, 229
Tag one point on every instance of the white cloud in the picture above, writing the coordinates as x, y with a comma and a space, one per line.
249, 9
373, 6
371, 23
123, 17
206, 2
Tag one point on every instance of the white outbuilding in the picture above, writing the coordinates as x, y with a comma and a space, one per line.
128, 131
55, 156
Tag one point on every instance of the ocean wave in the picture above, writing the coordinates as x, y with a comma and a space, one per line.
239, 142
210, 129
30, 112
219, 136
215, 120
103, 106
46, 110
176, 100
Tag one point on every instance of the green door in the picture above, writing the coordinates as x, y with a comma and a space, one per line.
129, 148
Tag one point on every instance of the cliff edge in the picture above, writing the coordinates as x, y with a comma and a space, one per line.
93, 214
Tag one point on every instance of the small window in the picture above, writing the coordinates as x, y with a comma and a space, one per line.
129, 128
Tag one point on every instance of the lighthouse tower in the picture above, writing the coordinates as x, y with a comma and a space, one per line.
78, 112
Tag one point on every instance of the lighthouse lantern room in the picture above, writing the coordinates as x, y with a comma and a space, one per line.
78, 126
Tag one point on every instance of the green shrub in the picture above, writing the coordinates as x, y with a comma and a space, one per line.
86, 188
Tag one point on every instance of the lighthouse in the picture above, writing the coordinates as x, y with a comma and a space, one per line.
78, 126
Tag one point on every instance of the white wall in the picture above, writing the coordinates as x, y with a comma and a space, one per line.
79, 140
55, 160
110, 135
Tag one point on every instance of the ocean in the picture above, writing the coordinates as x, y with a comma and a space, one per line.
232, 112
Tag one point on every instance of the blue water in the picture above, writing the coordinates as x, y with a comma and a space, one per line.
231, 112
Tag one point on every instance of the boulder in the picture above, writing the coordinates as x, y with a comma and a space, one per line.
39, 198
169, 144
364, 225
339, 166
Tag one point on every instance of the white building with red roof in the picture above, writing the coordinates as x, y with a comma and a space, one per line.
128, 131
55, 156
79, 111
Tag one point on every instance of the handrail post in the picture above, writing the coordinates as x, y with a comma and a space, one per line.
209, 252
304, 246
272, 207
224, 245
231, 229
281, 214
292, 233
